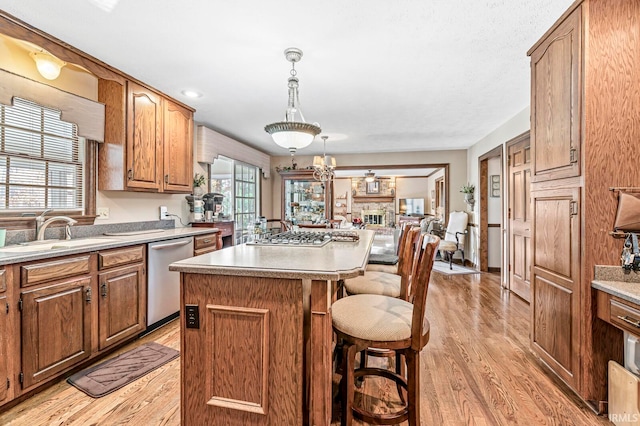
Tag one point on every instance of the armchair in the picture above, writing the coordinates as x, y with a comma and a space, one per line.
454, 237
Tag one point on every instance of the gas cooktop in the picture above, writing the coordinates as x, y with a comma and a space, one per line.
306, 238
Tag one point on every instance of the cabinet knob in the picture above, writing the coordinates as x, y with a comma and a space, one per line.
103, 290
130, 174
166, 178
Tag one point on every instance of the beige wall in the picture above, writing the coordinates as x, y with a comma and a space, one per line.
515, 126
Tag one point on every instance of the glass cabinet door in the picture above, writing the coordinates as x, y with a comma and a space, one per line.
304, 199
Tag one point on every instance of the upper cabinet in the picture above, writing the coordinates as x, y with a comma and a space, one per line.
148, 141
178, 148
555, 102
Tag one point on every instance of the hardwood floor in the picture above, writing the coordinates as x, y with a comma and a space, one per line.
476, 370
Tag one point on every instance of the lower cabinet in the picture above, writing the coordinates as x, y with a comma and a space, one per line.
56, 328
4, 372
122, 305
206, 243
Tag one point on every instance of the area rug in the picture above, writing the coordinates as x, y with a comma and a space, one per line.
111, 375
443, 267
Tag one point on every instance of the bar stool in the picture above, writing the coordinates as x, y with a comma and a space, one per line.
386, 283
369, 320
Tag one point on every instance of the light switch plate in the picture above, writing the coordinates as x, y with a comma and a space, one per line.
103, 212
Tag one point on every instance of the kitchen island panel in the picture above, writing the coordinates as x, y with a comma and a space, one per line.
244, 365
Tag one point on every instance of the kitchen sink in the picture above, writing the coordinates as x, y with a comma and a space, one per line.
36, 246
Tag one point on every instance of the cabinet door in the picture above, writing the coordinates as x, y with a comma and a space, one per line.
556, 102
3, 348
144, 138
555, 293
56, 328
178, 148
122, 306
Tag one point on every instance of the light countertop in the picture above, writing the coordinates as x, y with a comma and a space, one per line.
333, 261
615, 281
100, 242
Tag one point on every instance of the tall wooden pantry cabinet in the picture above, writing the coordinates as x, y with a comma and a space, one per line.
585, 138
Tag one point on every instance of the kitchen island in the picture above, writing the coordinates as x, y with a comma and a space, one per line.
256, 335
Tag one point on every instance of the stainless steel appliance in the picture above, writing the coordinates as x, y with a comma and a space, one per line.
163, 291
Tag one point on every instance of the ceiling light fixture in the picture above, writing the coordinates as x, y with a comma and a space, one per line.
323, 166
369, 176
192, 94
292, 134
48, 65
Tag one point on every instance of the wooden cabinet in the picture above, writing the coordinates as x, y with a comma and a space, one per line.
555, 299
304, 199
206, 243
144, 138
122, 303
148, 141
56, 328
582, 143
178, 148
226, 231
4, 339
555, 101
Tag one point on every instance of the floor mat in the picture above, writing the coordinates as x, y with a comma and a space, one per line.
443, 267
112, 374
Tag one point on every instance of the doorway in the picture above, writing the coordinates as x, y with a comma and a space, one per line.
491, 208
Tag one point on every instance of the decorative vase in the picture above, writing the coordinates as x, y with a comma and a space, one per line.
198, 191
468, 198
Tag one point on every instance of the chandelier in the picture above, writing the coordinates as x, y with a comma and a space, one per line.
369, 176
323, 166
292, 134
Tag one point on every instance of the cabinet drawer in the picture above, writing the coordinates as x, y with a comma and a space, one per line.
625, 317
204, 251
48, 271
226, 228
120, 256
205, 241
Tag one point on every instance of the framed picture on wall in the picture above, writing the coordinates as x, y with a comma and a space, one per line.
373, 187
494, 181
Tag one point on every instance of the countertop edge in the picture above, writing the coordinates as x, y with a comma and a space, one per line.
266, 273
123, 241
619, 289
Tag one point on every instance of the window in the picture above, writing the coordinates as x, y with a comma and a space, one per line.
42, 161
246, 199
238, 182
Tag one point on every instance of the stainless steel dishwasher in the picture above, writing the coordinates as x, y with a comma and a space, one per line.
163, 291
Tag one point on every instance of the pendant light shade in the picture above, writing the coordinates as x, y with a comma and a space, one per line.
292, 134
369, 176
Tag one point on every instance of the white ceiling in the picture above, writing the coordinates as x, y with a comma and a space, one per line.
388, 76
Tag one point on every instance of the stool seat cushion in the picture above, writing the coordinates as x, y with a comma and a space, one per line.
447, 246
373, 317
374, 282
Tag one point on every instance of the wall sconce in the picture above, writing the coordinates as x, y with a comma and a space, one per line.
48, 65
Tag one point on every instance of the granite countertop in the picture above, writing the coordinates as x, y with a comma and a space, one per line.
97, 242
333, 261
618, 282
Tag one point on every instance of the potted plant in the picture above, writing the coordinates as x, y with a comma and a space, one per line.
468, 191
198, 184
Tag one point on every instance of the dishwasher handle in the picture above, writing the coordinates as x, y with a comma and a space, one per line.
170, 245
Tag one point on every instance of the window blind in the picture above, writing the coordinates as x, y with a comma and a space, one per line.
41, 159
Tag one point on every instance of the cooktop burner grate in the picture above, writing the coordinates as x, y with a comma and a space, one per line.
306, 238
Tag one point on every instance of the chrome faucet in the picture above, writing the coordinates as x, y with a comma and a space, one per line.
42, 224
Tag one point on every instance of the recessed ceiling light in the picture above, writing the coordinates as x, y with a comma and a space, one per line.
192, 94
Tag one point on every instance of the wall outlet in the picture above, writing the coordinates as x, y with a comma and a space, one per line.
164, 214
103, 212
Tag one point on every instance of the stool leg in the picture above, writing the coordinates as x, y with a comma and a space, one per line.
363, 364
413, 386
348, 390
401, 371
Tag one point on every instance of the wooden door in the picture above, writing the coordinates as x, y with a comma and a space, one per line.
178, 147
555, 295
56, 328
144, 138
520, 217
4, 390
556, 102
122, 306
